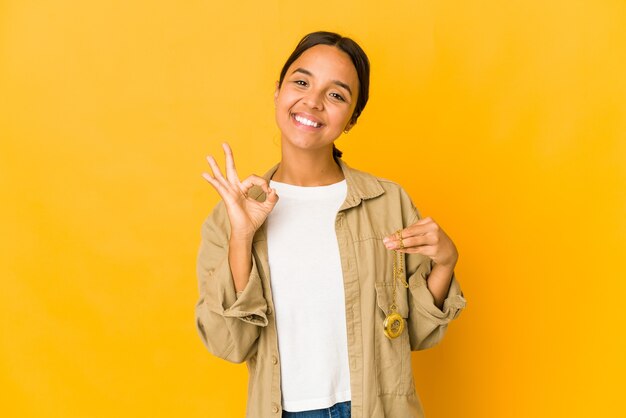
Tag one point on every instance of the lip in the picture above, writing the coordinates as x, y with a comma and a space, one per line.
308, 116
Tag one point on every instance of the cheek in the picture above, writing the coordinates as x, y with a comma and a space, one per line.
284, 102
342, 116
282, 110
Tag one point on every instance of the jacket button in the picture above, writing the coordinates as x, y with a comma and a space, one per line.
275, 409
274, 360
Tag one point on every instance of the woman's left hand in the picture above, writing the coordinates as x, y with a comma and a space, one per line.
427, 238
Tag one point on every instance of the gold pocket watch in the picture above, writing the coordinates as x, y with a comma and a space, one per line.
393, 324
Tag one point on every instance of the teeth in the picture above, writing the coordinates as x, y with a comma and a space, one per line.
307, 122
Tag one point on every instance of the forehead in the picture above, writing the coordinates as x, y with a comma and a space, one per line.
325, 61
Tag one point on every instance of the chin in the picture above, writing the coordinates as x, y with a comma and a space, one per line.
306, 144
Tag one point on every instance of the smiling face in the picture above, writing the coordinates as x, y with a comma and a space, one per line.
316, 100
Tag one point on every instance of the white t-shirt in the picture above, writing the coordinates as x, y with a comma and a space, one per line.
308, 293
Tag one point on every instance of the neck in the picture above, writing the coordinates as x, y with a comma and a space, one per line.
307, 169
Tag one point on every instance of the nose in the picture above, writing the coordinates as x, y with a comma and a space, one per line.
314, 99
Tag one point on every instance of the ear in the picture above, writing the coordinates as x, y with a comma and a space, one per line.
349, 126
276, 93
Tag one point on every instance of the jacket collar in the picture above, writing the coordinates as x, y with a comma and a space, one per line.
361, 185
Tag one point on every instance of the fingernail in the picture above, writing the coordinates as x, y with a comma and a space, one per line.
386, 240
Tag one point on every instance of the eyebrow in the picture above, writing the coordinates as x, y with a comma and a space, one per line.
337, 82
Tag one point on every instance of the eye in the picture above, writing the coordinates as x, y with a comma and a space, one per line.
338, 96
301, 83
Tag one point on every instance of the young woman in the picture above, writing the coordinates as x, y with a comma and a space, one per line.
321, 277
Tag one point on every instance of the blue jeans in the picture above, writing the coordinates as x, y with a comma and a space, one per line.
338, 410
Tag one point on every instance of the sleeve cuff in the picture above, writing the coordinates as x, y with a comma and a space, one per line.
248, 305
452, 305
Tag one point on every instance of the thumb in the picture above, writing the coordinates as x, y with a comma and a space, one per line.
271, 197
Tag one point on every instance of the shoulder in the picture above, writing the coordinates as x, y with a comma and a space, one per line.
394, 191
382, 192
390, 185
372, 181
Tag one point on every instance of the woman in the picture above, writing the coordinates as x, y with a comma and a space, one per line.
315, 290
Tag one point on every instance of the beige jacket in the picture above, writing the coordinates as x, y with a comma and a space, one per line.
243, 328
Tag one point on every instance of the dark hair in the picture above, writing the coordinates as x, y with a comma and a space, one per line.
356, 54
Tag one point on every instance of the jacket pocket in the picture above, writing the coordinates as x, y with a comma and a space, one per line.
384, 298
392, 356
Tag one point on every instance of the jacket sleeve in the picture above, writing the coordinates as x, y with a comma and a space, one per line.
229, 324
427, 323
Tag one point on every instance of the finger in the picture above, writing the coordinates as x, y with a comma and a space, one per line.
421, 227
424, 221
416, 241
426, 239
271, 199
395, 237
427, 250
231, 171
219, 188
254, 180
217, 173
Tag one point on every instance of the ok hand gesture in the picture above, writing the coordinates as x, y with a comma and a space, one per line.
246, 215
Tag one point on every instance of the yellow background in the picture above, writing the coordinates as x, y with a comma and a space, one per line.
505, 121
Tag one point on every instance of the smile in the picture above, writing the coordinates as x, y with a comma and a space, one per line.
304, 121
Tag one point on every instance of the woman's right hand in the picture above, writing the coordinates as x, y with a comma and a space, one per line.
246, 215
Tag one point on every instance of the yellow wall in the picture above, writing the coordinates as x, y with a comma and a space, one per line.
108, 108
